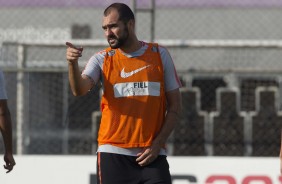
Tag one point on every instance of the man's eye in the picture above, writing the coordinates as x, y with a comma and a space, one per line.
113, 26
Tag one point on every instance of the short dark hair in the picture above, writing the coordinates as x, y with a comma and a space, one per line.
125, 13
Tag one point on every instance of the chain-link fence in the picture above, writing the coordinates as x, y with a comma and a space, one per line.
227, 54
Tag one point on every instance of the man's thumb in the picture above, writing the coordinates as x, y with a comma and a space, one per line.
72, 46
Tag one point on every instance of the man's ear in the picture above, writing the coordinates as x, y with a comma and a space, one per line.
131, 24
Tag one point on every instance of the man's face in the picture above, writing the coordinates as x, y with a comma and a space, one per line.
115, 30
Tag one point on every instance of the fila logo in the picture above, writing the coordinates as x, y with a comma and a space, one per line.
124, 74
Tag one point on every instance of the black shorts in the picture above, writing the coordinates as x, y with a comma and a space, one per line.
122, 169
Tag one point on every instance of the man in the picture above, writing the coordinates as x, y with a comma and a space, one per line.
6, 127
140, 104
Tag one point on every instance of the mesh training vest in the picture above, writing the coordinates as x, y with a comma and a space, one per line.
133, 102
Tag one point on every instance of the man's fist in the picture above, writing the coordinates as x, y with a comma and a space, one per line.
73, 52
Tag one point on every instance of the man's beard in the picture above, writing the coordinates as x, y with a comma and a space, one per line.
119, 42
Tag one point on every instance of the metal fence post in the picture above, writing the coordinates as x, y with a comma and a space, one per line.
20, 99
150, 10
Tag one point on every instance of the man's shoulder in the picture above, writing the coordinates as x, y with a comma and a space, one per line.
160, 47
101, 53
106, 52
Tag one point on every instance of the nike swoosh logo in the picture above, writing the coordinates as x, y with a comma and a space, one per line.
124, 74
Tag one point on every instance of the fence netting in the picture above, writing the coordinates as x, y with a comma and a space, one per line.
231, 90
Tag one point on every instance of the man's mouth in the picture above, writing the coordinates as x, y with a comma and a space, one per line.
111, 40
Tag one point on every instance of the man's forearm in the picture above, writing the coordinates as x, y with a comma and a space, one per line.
75, 80
172, 116
171, 119
6, 130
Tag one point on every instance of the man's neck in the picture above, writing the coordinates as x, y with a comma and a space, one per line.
131, 46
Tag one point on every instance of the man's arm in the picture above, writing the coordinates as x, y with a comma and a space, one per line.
171, 119
6, 130
79, 85
172, 116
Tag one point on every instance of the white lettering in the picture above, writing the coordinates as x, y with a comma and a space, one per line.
137, 89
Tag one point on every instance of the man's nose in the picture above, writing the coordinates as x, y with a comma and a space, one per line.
108, 32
